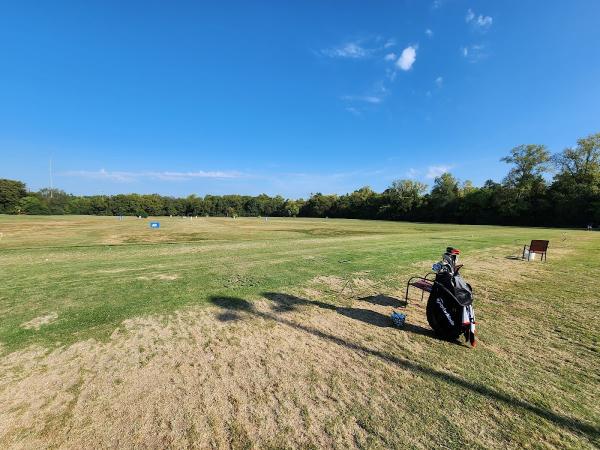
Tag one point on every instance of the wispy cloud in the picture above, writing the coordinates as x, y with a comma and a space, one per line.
361, 48
350, 50
412, 173
429, 32
478, 22
473, 53
437, 4
353, 110
439, 82
372, 48
362, 98
391, 74
436, 171
303, 183
128, 176
357, 104
407, 58
470, 15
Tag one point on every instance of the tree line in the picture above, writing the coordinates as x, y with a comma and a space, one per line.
523, 197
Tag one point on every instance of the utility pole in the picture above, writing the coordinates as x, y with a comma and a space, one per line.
51, 188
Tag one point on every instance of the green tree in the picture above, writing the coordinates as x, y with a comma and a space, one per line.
79, 205
403, 197
582, 163
530, 162
523, 199
319, 205
57, 200
11, 191
575, 192
292, 207
445, 190
466, 188
32, 205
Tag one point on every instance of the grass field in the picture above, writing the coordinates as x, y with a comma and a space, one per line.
249, 333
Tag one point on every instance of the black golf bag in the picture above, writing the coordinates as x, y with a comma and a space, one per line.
450, 306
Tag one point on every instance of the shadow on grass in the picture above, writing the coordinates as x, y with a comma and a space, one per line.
286, 302
418, 329
367, 316
384, 300
235, 305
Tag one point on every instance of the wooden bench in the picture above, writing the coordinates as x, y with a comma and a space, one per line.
537, 246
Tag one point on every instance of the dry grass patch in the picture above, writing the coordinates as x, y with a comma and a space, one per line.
329, 281
284, 362
159, 276
194, 380
38, 322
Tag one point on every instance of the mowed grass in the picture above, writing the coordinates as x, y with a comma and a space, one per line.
272, 289
94, 272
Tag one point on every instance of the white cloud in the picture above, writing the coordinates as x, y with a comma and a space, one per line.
352, 50
407, 58
436, 4
412, 173
390, 57
389, 43
439, 82
391, 74
363, 98
429, 32
127, 177
436, 171
470, 15
479, 22
484, 21
374, 96
473, 53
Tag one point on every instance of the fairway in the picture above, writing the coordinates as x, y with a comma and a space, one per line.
275, 333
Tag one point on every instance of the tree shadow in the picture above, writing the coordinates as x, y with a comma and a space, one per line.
384, 300
231, 303
229, 316
286, 302
367, 316
418, 329
589, 430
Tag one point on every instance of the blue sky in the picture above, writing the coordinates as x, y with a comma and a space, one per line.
288, 97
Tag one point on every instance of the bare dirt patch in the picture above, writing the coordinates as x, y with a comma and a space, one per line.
38, 322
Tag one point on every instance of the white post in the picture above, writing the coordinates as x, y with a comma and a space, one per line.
51, 188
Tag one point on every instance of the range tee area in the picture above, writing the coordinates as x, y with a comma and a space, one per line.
215, 332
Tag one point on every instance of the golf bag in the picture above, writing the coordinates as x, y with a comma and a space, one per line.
450, 306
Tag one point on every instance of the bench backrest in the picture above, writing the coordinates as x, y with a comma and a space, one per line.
538, 246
